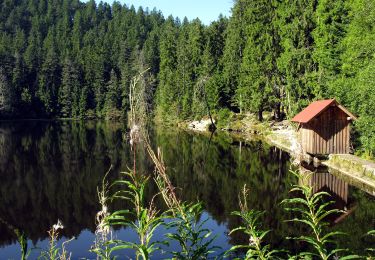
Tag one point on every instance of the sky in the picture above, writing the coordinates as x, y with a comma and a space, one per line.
206, 10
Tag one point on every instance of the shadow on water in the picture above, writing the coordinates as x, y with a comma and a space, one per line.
50, 170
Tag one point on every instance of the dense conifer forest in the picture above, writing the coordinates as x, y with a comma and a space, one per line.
66, 58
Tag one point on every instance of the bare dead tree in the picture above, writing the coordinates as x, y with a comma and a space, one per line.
137, 100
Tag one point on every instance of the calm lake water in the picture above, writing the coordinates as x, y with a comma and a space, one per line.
50, 170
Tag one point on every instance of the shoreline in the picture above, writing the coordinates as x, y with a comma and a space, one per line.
359, 172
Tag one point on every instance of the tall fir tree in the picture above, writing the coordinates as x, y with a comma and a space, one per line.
233, 53
258, 81
166, 93
331, 26
50, 76
298, 70
69, 94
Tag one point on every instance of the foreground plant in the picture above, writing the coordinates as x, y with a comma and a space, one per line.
103, 233
196, 242
256, 249
371, 250
143, 219
54, 252
311, 211
21, 239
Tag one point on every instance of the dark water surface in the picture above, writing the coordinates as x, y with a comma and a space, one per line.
50, 170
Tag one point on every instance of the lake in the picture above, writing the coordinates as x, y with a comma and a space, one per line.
50, 170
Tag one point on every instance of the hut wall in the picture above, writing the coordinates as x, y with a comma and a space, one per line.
329, 133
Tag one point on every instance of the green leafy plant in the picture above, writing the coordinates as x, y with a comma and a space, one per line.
22, 240
311, 210
196, 242
54, 252
256, 249
103, 234
371, 250
143, 219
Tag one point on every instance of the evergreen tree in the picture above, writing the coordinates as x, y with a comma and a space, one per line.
18, 79
50, 74
331, 26
5, 92
113, 92
259, 78
166, 93
296, 25
184, 72
212, 67
355, 85
233, 53
69, 95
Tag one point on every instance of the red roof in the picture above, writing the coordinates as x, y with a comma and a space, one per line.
314, 109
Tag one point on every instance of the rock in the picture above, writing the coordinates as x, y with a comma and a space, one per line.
201, 125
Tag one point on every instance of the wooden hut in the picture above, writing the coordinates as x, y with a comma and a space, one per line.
324, 128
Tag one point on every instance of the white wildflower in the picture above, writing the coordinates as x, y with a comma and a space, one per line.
134, 134
58, 225
251, 241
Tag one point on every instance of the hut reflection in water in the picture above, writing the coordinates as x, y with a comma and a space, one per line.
322, 181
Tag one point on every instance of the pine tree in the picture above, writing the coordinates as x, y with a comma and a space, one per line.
259, 78
355, 86
5, 92
212, 67
183, 88
113, 92
50, 74
233, 53
77, 33
166, 93
18, 79
331, 26
196, 46
296, 23
69, 94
